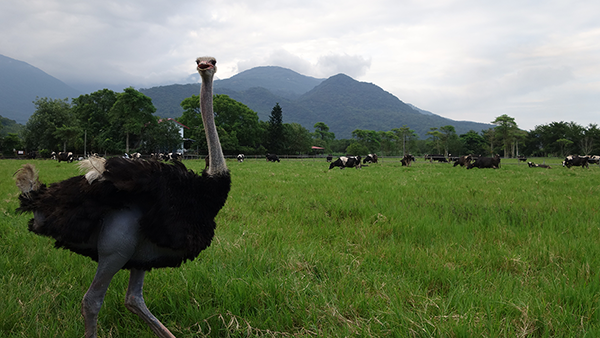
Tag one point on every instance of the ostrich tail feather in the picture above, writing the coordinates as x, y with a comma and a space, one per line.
94, 168
27, 179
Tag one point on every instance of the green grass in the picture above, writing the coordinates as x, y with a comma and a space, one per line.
385, 251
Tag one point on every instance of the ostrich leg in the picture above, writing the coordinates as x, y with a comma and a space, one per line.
134, 301
117, 241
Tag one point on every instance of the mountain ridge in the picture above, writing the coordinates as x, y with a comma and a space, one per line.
341, 102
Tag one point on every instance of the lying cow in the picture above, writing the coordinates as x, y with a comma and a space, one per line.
576, 160
272, 158
346, 162
371, 158
241, 158
407, 160
463, 160
533, 165
486, 162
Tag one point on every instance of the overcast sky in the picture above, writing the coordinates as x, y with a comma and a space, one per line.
537, 61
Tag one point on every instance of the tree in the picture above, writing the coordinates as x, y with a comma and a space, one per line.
563, 143
297, 138
405, 136
241, 131
473, 143
322, 136
449, 139
92, 113
68, 134
10, 143
131, 112
367, 138
506, 127
435, 139
275, 130
40, 130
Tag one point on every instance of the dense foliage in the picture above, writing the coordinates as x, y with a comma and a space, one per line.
107, 122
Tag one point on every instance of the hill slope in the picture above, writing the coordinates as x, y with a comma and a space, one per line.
341, 102
21, 83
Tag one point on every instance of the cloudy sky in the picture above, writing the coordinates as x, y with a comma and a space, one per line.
537, 61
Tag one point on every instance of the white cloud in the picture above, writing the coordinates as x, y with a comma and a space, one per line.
461, 59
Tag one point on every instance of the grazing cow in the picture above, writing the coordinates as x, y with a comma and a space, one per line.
533, 165
463, 160
329, 158
272, 158
439, 158
407, 160
576, 160
371, 158
65, 157
486, 162
346, 162
241, 157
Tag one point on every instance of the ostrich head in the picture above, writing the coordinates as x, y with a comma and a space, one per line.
206, 65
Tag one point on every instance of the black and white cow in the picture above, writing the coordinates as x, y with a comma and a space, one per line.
346, 162
64, 157
595, 159
272, 158
436, 157
533, 165
464, 160
371, 158
486, 162
522, 158
407, 160
576, 160
241, 157
329, 158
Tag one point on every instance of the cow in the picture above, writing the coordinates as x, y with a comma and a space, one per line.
593, 159
241, 158
272, 158
65, 157
329, 158
439, 158
522, 159
346, 162
371, 158
576, 160
486, 162
464, 160
407, 160
533, 165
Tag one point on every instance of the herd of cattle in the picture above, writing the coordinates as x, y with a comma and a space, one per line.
468, 161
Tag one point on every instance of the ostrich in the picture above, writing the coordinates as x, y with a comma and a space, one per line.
134, 215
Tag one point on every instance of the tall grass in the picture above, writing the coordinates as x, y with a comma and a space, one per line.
388, 251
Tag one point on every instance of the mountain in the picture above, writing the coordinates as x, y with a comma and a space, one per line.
341, 102
21, 83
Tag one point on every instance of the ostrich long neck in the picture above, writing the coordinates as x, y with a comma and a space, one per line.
215, 153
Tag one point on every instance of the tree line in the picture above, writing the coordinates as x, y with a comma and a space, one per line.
108, 122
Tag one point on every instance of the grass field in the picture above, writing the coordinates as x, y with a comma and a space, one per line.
301, 251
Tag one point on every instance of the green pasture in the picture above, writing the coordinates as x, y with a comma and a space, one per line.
430, 250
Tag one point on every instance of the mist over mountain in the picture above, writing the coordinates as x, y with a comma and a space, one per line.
341, 102
21, 83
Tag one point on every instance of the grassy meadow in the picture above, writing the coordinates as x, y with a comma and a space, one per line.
430, 250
